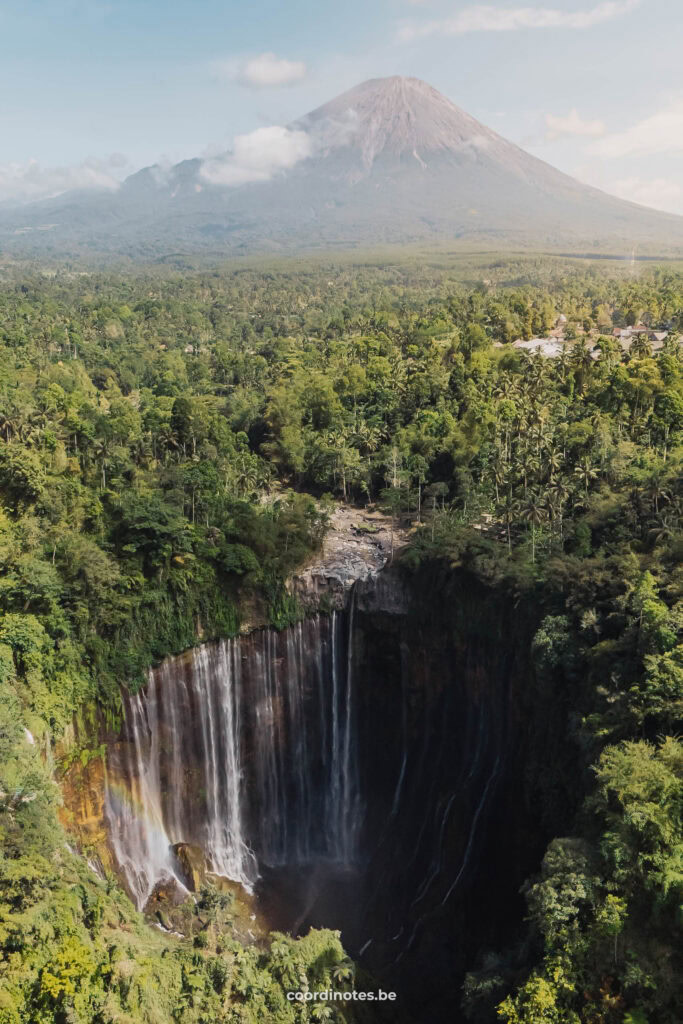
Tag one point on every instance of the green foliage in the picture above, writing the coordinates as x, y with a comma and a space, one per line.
164, 445
78, 952
608, 907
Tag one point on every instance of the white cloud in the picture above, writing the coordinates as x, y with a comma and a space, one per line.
495, 19
265, 71
24, 182
572, 124
659, 193
660, 133
258, 156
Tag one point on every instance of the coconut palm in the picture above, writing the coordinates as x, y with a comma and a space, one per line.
554, 463
534, 513
168, 440
584, 473
344, 972
664, 530
510, 513
245, 475
499, 473
563, 362
640, 347
655, 492
103, 450
322, 1012
558, 495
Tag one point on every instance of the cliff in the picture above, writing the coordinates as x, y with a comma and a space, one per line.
366, 769
357, 546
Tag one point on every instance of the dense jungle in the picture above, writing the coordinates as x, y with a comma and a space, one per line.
173, 446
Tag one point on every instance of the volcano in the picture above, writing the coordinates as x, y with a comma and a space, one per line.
391, 161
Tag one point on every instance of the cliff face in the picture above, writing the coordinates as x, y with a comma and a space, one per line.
364, 769
443, 670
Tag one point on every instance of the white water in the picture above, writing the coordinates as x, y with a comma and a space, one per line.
246, 748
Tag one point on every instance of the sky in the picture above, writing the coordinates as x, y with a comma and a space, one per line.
92, 90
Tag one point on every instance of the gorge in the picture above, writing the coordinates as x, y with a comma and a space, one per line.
355, 770
340, 646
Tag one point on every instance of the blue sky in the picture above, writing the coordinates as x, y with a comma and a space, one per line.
93, 89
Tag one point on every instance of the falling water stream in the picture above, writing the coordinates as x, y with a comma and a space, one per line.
245, 747
348, 771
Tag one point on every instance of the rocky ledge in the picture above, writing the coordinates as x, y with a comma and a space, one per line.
357, 546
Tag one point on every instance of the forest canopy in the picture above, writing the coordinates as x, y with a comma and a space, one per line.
170, 449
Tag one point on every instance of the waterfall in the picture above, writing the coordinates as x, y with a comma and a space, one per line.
247, 748
347, 819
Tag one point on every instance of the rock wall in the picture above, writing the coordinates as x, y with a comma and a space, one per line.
367, 770
442, 668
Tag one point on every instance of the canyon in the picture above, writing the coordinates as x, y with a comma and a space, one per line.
364, 769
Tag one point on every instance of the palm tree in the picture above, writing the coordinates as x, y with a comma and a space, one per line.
338, 441
672, 344
369, 439
523, 465
554, 463
143, 448
246, 475
640, 347
7, 426
563, 362
590, 620
583, 362
533, 512
510, 512
655, 492
499, 475
537, 371
558, 495
103, 452
168, 439
507, 388
538, 434
664, 530
344, 972
584, 473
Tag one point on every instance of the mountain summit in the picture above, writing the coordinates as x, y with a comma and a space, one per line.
399, 122
400, 116
390, 161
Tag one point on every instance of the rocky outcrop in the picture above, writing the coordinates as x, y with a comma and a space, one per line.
357, 546
82, 812
190, 865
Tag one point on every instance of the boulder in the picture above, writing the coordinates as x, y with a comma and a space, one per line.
191, 865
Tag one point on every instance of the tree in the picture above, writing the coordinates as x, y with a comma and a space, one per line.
418, 468
558, 495
392, 500
639, 788
511, 510
585, 473
103, 450
533, 512
473, 339
640, 347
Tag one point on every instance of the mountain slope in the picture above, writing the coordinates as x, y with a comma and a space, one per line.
389, 161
